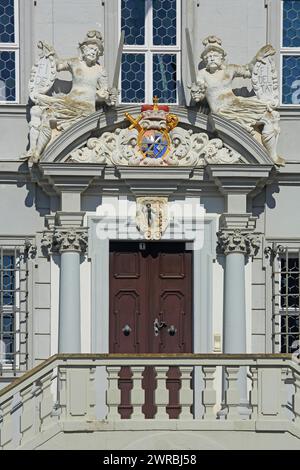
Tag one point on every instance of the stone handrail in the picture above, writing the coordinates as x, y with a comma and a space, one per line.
83, 390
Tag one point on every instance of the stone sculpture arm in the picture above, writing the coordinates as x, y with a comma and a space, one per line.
63, 64
245, 71
104, 93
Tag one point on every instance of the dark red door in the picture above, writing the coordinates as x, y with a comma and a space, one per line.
150, 309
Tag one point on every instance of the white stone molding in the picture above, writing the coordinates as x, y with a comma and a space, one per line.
187, 149
152, 216
236, 241
61, 240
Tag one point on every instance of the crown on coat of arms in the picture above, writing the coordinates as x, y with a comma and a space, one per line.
153, 126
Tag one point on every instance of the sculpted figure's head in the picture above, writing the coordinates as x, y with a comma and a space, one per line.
91, 47
213, 54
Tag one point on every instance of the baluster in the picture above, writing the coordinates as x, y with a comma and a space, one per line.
297, 398
113, 393
209, 393
137, 393
6, 427
186, 393
232, 396
161, 392
254, 392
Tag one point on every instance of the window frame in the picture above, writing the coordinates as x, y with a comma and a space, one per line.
19, 310
285, 51
14, 47
149, 50
281, 250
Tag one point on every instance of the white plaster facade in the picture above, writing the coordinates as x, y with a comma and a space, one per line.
251, 195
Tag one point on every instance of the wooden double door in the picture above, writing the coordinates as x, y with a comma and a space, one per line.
150, 298
150, 310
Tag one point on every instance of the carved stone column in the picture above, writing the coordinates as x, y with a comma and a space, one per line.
236, 245
70, 243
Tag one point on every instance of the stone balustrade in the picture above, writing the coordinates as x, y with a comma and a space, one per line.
64, 392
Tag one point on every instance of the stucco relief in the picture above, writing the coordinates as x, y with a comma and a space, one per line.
257, 114
53, 114
153, 139
152, 216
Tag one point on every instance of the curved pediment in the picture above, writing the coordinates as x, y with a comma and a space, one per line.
103, 137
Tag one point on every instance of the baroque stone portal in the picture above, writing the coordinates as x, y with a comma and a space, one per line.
51, 115
256, 114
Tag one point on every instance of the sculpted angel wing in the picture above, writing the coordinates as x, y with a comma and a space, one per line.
43, 72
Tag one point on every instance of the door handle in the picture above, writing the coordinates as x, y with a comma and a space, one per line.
172, 330
126, 330
158, 325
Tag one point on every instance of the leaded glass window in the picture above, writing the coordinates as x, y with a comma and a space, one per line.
285, 298
151, 58
13, 308
290, 52
9, 51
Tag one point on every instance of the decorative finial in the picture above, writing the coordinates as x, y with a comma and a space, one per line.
155, 103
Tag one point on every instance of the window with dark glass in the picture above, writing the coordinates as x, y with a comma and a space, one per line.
150, 63
13, 309
9, 51
290, 52
285, 298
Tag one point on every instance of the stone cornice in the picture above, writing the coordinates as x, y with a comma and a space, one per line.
241, 179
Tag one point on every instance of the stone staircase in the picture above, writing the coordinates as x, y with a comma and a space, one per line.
73, 402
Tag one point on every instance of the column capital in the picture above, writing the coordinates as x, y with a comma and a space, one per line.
236, 241
65, 239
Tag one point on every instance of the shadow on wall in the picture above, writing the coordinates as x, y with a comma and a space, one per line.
265, 199
35, 196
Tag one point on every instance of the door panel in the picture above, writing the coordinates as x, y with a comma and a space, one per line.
147, 286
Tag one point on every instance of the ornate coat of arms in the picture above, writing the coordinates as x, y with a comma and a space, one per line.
154, 139
153, 126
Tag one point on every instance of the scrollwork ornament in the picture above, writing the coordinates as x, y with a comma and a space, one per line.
236, 241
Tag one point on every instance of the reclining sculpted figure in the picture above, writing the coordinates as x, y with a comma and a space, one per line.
257, 114
51, 115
